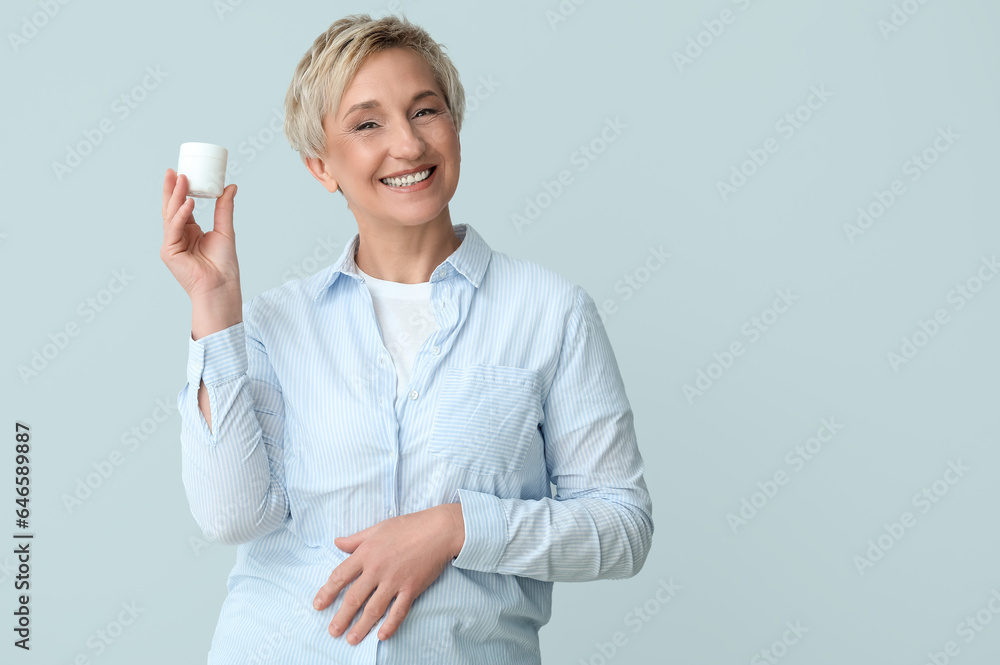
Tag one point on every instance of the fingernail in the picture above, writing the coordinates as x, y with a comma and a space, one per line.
316, 603
352, 638
381, 636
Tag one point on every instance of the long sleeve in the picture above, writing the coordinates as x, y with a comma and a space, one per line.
233, 474
599, 525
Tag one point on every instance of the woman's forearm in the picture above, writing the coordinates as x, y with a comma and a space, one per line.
232, 470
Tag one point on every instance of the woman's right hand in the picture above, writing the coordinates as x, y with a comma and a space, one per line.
204, 263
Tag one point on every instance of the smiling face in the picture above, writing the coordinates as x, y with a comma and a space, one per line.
392, 122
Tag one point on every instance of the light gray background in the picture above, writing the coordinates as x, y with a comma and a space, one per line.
554, 87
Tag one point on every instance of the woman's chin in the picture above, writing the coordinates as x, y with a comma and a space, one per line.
415, 216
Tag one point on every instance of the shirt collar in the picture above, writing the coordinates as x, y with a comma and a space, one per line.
469, 260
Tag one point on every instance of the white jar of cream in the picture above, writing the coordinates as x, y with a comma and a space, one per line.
204, 164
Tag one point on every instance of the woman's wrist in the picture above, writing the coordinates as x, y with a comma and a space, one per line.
215, 311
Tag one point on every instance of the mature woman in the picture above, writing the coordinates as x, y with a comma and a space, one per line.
379, 438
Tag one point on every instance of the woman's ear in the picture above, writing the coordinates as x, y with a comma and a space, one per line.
317, 167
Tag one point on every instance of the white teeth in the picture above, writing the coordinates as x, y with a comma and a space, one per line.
407, 179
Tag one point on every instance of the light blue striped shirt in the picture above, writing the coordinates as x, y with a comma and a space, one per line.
517, 388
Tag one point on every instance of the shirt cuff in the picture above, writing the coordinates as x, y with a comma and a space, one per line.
485, 531
217, 357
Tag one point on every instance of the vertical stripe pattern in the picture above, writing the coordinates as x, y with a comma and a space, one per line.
518, 388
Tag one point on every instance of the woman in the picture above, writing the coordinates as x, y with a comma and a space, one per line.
379, 438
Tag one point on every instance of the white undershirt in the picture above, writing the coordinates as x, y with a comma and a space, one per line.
406, 319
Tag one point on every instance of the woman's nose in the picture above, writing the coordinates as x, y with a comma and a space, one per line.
406, 143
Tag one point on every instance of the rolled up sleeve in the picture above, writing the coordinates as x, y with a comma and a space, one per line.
599, 524
233, 472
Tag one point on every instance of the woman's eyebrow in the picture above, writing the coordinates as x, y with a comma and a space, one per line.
372, 103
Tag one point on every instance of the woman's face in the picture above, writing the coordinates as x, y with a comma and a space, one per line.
392, 119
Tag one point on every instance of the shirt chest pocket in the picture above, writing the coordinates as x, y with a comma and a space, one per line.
486, 418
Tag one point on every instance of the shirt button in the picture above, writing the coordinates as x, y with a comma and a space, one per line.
413, 394
436, 350
381, 360
380, 401
390, 512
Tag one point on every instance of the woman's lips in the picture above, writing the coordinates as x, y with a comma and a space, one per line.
417, 186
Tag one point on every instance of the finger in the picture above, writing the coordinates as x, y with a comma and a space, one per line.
374, 609
173, 232
168, 188
352, 541
353, 599
224, 212
400, 608
339, 578
348, 543
177, 196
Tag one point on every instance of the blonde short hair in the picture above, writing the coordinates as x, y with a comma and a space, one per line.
335, 57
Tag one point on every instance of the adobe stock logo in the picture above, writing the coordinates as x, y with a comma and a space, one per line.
778, 649
122, 107
223, 7
637, 618
87, 485
325, 249
31, 26
60, 339
923, 500
796, 458
487, 86
631, 282
787, 125
562, 12
968, 629
900, 16
701, 42
915, 167
752, 329
963, 293
101, 639
585, 155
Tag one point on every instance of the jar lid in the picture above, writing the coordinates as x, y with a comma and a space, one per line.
204, 150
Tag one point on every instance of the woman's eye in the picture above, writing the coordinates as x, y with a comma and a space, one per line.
364, 126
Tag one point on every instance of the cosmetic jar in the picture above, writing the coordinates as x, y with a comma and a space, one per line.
204, 164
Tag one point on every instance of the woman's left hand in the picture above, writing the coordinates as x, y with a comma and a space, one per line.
396, 558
